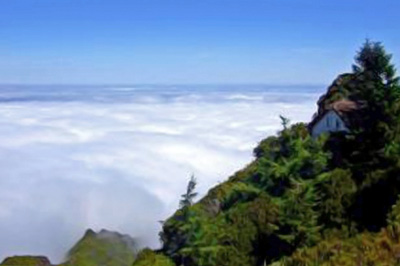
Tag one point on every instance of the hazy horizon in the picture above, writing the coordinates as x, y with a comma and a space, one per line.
108, 106
119, 158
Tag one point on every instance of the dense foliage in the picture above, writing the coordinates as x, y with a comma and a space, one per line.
304, 200
330, 200
263, 212
148, 257
103, 248
367, 248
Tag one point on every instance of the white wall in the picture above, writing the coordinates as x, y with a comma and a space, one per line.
330, 122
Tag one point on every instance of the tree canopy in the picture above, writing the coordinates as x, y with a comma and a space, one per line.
304, 198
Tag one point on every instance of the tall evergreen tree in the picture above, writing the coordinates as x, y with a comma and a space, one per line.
190, 194
284, 121
372, 148
372, 57
375, 87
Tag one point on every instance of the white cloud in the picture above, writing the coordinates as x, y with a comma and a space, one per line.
121, 165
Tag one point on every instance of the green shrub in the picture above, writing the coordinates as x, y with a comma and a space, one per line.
214, 255
240, 192
336, 190
364, 249
147, 257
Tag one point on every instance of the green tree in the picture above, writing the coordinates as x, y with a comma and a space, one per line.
372, 57
336, 190
293, 154
190, 194
284, 121
375, 131
299, 219
372, 151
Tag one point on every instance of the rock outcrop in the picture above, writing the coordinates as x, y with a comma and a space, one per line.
105, 248
26, 261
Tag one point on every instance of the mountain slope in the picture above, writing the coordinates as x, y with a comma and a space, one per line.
26, 261
302, 196
105, 248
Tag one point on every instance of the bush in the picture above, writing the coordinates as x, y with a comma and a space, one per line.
147, 257
336, 190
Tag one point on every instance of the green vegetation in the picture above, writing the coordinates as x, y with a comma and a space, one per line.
103, 248
306, 201
265, 211
188, 197
367, 248
26, 261
147, 257
331, 200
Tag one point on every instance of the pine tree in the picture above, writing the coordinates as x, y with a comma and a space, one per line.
372, 149
188, 197
284, 122
373, 58
375, 87
298, 216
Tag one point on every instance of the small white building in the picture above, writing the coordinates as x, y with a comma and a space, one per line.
329, 122
333, 119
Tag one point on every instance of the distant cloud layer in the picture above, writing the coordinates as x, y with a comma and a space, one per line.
121, 164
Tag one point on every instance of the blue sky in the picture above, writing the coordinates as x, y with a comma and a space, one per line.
188, 41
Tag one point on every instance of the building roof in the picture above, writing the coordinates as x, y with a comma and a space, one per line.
344, 108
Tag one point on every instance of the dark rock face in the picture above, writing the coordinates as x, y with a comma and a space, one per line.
340, 88
26, 261
343, 97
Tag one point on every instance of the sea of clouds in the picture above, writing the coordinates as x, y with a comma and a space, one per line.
119, 158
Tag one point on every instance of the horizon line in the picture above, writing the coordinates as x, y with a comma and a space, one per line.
164, 84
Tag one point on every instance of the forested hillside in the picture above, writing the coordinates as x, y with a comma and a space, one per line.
326, 200
306, 201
